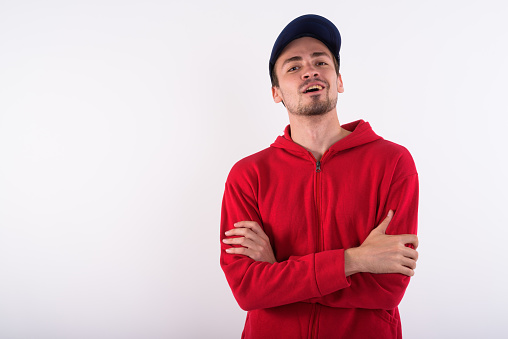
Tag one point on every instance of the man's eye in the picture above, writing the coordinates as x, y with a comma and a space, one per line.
294, 68
321, 63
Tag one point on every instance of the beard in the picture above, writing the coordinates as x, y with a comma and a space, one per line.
318, 106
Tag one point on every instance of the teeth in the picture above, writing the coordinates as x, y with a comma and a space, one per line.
314, 87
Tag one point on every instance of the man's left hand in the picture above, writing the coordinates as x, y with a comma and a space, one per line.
254, 241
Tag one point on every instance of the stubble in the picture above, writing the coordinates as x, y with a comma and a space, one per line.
320, 103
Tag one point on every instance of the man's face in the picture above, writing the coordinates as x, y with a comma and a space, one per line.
308, 82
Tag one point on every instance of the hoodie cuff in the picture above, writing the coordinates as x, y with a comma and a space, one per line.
330, 274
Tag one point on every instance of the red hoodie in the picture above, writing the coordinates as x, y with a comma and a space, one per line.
313, 211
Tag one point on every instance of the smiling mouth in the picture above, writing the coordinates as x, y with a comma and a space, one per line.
313, 88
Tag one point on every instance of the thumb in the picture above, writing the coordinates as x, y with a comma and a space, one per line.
384, 224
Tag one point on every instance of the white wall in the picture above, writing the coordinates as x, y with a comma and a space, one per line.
119, 121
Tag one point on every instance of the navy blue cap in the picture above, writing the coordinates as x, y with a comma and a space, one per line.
309, 25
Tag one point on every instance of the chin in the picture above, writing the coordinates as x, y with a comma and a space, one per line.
316, 109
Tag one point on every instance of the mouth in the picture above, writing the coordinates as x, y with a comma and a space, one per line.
313, 88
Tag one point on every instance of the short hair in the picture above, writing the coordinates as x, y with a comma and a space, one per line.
275, 80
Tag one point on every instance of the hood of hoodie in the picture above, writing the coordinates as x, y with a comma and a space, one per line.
361, 134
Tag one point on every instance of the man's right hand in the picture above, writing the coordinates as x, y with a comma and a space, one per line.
383, 253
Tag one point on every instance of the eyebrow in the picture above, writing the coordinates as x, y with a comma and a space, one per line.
299, 58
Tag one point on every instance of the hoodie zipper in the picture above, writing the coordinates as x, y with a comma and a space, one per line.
319, 242
318, 246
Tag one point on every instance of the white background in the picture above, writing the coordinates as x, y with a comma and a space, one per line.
120, 120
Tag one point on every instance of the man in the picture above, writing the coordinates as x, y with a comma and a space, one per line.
319, 230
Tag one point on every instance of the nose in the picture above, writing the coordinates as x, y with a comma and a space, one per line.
310, 72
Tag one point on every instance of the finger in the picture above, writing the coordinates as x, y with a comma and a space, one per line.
254, 226
258, 230
239, 241
246, 224
409, 263
246, 232
406, 271
384, 224
238, 250
410, 253
411, 239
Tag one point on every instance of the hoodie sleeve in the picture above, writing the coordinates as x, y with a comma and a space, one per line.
258, 285
382, 291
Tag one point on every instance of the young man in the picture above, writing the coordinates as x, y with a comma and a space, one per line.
319, 230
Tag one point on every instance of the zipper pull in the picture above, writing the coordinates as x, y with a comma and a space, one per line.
318, 166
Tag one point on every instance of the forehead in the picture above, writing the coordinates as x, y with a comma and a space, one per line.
302, 47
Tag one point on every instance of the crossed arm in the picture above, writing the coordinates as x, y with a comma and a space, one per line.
344, 278
379, 253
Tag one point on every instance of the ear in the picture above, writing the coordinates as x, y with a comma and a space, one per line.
276, 94
340, 85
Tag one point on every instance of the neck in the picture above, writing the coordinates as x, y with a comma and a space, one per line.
316, 133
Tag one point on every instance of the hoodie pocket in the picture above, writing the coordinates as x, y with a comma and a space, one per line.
387, 316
